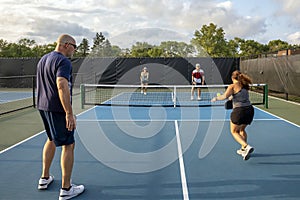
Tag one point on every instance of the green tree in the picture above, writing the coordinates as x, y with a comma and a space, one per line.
116, 50
155, 52
103, 48
24, 47
295, 46
26, 42
210, 39
12, 50
3, 47
250, 48
125, 53
141, 49
21, 49
40, 50
277, 45
97, 49
233, 48
106, 50
176, 49
83, 48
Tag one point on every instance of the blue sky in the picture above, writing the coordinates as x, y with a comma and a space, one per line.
125, 22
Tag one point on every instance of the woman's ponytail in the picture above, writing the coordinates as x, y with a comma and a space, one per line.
244, 80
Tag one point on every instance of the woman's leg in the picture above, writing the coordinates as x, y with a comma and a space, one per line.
145, 88
238, 133
142, 87
243, 132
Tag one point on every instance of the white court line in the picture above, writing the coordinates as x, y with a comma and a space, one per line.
196, 120
286, 101
168, 120
13, 100
181, 165
279, 118
23, 141
33, 136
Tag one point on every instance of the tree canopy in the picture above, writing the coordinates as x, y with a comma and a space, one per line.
208, 41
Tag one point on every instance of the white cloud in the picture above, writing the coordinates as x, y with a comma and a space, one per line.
224, 15
227, 5
247, 27
44, 20
152, 36
294, 38
45, 29
290, 10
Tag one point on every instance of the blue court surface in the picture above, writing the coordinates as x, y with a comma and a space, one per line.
163, 153
10, 96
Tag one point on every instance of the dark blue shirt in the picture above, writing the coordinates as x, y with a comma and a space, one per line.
51, 66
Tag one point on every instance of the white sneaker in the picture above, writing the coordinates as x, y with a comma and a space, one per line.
240, 151
199, 98
43, 183
192, 98
74, 191
247, 151
145, 93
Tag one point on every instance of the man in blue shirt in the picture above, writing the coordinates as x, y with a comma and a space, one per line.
54, 102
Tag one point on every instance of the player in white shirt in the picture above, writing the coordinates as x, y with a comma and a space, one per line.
197, 79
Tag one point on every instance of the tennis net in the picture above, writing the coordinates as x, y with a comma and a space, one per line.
162, 95
16, 93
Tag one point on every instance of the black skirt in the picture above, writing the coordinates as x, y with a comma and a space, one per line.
242, 115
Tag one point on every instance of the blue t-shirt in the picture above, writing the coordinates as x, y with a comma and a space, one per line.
51, 66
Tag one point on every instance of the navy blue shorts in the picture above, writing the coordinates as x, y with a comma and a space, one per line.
55, 126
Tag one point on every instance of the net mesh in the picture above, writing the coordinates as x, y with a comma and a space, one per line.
16, 93
161, 95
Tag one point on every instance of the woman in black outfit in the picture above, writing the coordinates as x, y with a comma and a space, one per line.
243, 111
